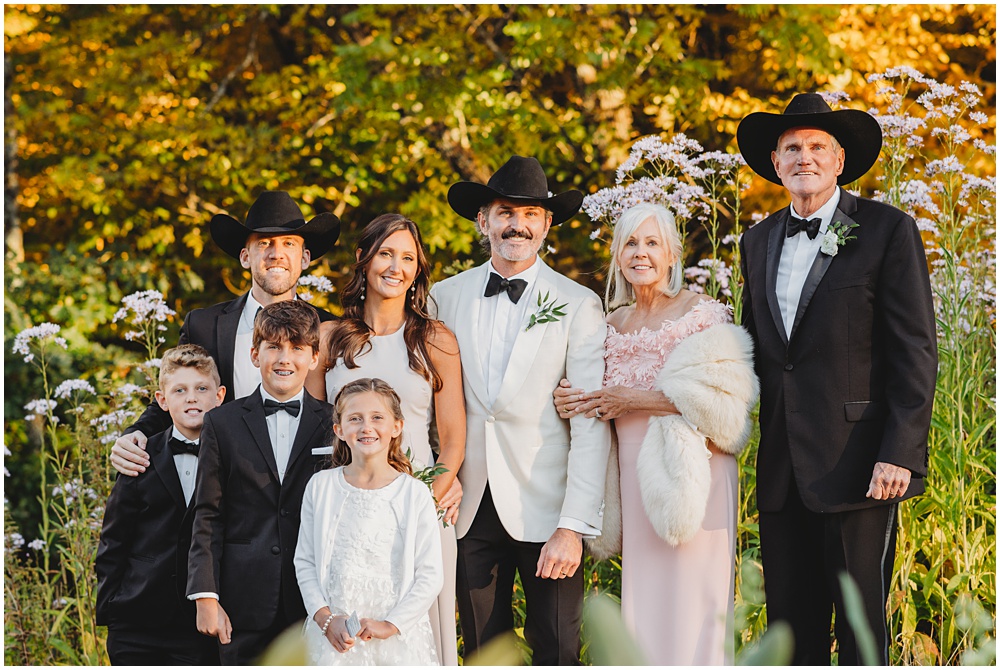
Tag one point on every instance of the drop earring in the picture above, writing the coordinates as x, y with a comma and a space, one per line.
413, 294
364, 280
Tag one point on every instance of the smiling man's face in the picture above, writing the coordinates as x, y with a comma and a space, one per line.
808, 162
275, 262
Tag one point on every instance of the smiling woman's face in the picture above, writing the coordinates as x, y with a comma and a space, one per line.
644, 259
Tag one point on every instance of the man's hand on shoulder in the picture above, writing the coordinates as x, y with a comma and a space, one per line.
888, 481
128, 455
561, 555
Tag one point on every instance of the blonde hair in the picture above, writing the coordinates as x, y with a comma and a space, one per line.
341, 451
619, 291
188, 356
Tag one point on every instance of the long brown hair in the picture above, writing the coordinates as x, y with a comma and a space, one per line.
341, 451
352, 334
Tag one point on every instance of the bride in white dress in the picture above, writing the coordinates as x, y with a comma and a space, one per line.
386, 332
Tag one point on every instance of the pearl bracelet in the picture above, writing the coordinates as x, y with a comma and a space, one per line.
326, 624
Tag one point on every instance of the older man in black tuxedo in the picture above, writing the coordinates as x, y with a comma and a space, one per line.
276, 244
838, 301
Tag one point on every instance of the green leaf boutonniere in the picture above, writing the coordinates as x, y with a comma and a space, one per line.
837, 235
547, 312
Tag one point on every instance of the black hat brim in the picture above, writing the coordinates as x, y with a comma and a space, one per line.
857, 132
467, 197
319, 234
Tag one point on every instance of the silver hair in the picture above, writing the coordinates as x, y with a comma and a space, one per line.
619, 291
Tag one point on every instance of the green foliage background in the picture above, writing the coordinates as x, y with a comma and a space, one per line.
128, 126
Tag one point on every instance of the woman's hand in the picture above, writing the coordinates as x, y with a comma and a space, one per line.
607, 403
450, 502
380, 630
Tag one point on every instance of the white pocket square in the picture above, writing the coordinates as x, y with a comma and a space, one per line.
322, 451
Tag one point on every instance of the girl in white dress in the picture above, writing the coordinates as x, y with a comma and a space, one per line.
368, 542
387, 332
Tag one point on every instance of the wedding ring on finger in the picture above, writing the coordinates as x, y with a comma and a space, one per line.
598, 411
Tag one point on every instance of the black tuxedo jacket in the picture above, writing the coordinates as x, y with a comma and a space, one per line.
215, 329
854, 383
142, 556
247, 523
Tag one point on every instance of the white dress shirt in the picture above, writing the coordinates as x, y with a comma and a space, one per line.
187, 467
502, 319
281, 428
246, 376
797, 255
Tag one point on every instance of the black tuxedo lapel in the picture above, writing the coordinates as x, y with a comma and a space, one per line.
822, 262
775, 241
253, 417
312, 417
225, 333
163, 463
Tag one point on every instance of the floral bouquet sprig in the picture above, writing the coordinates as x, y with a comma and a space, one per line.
547, 312
837, 235
427, 476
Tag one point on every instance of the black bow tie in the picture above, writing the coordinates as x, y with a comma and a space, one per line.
514, 287
178, 446
796, 226
272, 406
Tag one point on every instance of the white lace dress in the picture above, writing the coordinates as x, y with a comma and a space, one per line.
365, 575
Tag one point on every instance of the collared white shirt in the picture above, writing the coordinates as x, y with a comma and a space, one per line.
500, 320
187, 466
797, 256
246, 376
281, 428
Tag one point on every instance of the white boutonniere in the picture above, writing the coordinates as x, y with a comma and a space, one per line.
836, 236
547, 311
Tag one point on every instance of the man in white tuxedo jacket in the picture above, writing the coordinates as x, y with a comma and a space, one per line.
533, 482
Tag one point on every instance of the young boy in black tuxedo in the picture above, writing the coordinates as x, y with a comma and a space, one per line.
256, 458
142, 557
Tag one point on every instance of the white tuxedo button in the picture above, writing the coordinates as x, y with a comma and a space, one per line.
491, 419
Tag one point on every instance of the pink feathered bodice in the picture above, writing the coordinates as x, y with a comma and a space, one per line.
634, 359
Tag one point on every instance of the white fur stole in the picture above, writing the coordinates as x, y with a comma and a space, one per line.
709, 377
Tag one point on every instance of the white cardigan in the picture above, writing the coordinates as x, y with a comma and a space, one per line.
709, 377
423, 572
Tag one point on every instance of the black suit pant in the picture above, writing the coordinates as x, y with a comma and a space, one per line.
160, 646
804, 552
487, 561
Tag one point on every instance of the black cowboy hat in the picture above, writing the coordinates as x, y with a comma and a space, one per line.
857, 132
518, 179
275, 213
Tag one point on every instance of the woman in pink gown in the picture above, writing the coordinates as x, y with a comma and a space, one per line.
677, 593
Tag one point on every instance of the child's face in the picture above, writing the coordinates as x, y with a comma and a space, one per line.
283, 366
367, 425
187, 394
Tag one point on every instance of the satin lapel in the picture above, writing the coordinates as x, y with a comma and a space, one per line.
312, 417
468, 334
225, 333
253, 417
163, 464
522, 355
775, 240
819, 267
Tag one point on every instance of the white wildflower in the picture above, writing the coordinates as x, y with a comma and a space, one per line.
40, 407
37, 545
71, 386
322, 284
833, 97
979, 118
129, 390
24, 339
